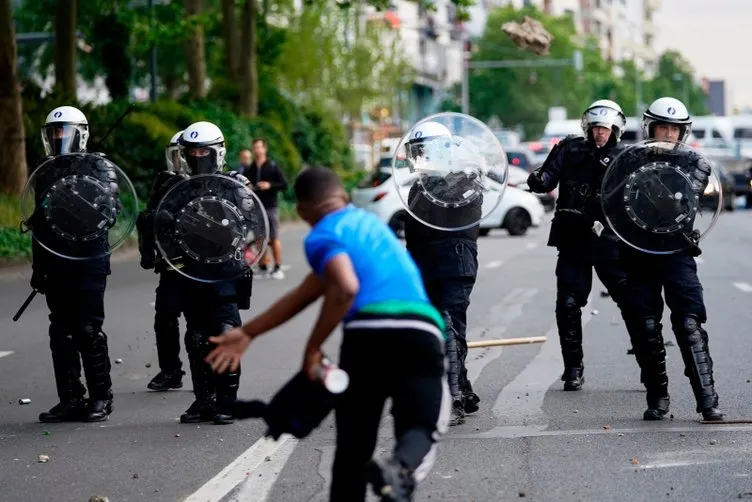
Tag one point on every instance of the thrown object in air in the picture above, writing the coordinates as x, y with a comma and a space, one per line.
529, 35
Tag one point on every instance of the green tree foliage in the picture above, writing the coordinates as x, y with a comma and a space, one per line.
522, 96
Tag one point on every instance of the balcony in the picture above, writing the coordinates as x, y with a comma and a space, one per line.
652, 5
648, 28
431, 61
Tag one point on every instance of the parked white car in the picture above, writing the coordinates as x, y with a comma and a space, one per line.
517, 211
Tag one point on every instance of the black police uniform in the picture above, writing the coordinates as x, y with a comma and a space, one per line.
676, 275
74, 290
210, 309
577, 166
167, 308
448, 263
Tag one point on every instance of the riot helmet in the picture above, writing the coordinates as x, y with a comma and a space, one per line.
202, 148
428, 146
172, 154
604, 113
667, 111
65, 130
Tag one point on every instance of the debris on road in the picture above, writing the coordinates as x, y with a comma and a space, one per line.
607, 427
97, 498
635, 461
23, 401
118, 361
595, 312
713, 441
605, 294
148, 365
44, 459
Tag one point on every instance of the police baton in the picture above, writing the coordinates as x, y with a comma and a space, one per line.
113, 127
25, 305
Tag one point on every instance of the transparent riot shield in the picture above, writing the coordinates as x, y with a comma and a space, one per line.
211, 228
661, 197
450, 171
79, 206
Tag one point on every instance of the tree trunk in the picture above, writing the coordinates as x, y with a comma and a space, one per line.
65, 46
13, 159
249, 60
195, 53
230, 26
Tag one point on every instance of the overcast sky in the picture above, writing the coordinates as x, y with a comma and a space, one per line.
716, 37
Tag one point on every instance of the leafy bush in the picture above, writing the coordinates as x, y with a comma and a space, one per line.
14, 244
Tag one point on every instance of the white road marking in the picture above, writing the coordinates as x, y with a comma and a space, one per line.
494, 264
250, 477
4, 353
531, 245
521, 401
743, 286
522, 431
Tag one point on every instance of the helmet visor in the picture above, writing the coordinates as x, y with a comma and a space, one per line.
60, 139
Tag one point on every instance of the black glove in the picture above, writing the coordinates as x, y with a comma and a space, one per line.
535, 182
38, 281
148, 262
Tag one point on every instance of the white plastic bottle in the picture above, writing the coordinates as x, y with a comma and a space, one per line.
334, 379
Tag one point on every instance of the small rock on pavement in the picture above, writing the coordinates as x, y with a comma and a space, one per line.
24, 401
635, 461
43, 459
521, 494
118, 361
148, 365
713, 441
97, 498
267, 459
595, 312
135, 475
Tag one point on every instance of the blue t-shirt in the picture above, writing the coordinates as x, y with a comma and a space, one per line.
384, 268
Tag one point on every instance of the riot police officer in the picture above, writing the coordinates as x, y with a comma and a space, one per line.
577, 164
167, 301
667, 119
210, 308
448, 261
74, 289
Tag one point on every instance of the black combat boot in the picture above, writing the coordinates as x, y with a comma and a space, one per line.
67, 367
569, 323
96, 361
453, 373
203, 408
99, 408
693, 344
650, 352
227, 393
166, 380
390, 480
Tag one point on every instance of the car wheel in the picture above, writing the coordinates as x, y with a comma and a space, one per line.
483, 232
517, 221
397, 224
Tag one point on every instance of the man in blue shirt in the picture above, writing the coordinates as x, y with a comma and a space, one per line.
392, 347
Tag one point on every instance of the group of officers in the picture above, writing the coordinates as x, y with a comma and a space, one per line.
636, 280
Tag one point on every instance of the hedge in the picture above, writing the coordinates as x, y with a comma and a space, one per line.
296, 137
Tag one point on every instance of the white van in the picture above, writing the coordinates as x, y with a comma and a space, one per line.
714, 135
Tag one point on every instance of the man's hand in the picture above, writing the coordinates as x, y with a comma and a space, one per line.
535, 182
38, 281
229, 350
264, 185
311, 360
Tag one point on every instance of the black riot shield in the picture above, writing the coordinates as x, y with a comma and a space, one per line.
661, 197
79, 206
211, 228
453, 181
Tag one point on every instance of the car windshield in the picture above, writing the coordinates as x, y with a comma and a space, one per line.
375, 179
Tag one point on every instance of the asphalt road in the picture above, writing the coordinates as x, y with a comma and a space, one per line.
529, 440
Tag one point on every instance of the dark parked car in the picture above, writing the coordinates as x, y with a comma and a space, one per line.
728, 193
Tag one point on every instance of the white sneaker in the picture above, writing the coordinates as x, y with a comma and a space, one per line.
277, 274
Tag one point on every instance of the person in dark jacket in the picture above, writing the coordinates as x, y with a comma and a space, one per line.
268, 181
674, 275
74, 289
579, 231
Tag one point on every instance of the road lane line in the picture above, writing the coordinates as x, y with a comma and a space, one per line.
250, 477
743, 287
4, 353
521, 400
